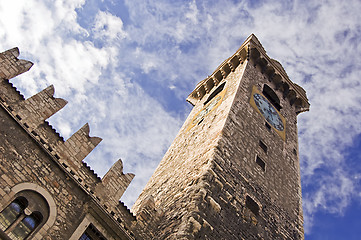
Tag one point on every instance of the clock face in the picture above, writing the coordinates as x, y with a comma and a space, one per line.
206, 110
268, 112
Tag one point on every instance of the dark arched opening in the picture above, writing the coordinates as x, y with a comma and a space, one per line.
12, 212
215, 93
271, 96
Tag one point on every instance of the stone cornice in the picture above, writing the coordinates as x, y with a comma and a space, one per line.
221, 72
276, 73
252, 50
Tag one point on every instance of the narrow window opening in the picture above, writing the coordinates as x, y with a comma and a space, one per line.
263, 146
295, 152
261, 163
27, 225
12, 212
215, 93
252, 205
85, 236
272, 96
91, 233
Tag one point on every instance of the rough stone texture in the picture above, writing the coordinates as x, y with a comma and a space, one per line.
23, 161
114, 183
39, 107
178, 185
35, 159
209, 184
202, 183
11, 66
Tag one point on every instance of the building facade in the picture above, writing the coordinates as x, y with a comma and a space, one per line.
46, 190
232, 172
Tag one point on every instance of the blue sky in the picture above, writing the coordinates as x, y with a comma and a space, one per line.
126, 67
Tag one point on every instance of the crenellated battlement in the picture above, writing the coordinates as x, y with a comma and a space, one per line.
11, 66
39, 107
232, 172
77, 147
31, 115
114, 183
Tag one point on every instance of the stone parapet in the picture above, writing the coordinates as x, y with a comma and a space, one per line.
114, 183
11, 66
39, 107
29, 115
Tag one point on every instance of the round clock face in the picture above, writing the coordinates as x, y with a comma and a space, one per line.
206, 110
268, 111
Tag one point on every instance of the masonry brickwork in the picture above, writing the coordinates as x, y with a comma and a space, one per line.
202, 185
35, 158
229, 174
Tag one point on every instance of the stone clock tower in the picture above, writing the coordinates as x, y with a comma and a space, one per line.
231, 173
233, 170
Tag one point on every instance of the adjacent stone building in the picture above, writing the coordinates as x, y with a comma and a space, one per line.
232, 172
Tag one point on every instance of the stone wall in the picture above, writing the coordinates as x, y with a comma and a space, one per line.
236, 175
227, 175
23, 161
34, 158
208, 185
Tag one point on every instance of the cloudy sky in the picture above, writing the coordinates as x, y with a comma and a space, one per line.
126, 67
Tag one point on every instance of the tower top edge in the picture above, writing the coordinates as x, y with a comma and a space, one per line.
251, 48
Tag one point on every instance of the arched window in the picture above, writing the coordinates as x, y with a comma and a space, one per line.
27, 225
215, 93
12, 212
271, 96
24, 215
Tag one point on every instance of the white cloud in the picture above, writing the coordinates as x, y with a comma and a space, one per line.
305, 41
108, 27
192, 14
313, 39
100, 69
48, 35
89, 75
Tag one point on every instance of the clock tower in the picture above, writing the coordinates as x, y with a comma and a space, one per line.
233, 170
